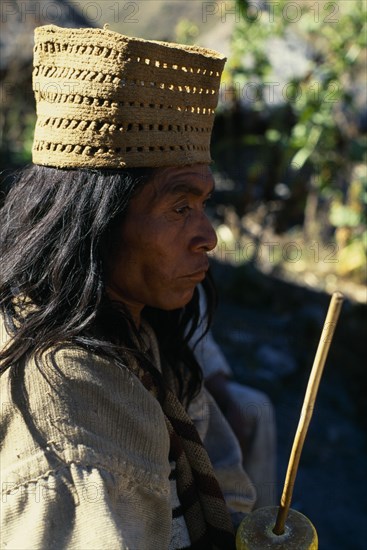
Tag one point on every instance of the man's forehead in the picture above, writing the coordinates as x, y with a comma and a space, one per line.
197, 180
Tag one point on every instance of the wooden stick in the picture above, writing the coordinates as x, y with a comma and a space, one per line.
307, 409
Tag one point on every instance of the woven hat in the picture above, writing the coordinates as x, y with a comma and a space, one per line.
112, 101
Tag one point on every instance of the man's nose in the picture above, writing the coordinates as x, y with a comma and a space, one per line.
206, 238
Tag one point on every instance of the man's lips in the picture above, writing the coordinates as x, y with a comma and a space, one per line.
198, 274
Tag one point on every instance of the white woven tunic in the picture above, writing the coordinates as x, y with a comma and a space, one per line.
89, 467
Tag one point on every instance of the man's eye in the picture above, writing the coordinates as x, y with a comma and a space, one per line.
183, 209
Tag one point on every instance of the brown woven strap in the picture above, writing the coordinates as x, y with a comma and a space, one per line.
206, 515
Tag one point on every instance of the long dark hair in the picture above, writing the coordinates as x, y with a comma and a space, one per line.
56, 226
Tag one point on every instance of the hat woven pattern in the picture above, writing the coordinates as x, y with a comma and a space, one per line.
108, 100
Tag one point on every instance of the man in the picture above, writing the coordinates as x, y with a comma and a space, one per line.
108, 438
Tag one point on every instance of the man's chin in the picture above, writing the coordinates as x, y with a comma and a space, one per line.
176, 302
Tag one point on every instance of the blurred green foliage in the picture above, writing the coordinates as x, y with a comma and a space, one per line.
319, 125
186, 32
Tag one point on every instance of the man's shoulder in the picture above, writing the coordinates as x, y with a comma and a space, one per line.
80, 408
71, 363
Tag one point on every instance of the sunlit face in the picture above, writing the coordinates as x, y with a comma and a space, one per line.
164, 240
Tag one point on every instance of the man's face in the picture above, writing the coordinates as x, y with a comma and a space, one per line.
163, 241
